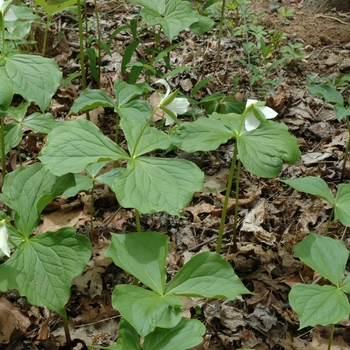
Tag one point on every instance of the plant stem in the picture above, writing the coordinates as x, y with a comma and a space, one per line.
45, 35
98, 42
3, 155
331, 337
220, 29
2, 21
138, 229
329, 221
19, 155
238, 175
66, 328
346, 150
227, 196
91, 212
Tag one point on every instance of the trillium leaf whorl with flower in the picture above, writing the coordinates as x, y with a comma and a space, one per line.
172, 105
255, 113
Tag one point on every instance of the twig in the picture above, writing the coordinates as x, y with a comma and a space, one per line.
335, 18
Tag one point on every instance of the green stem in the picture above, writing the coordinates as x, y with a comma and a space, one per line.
91, 212
331, 337
66, 328
117, 120
81, 43
143, 130
19, 155
3, 155
227, 196
220, 29
2, 19
98, 42
238, 176
346, 150
45, 35
329, 221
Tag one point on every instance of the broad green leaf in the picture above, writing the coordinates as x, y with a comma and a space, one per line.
54, 6
325, 255
145, 310
35, 78
18, 113
342, 205
28, 190
39, 122
125, 92
263, 150
178, 15
6, 93
207, 275
128, 339
341, 111
185, 335
135, 110
232, 121
202, 135
158, 6
150, 140
327, 92
82, 183
72, 145
108, 178
90, 99
17, 30
345, 286
156, 184
203, 25
93, 169
143, 255
321, 305
43, 267
312, 185
13, 136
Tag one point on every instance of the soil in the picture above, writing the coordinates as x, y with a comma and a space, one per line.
265, 262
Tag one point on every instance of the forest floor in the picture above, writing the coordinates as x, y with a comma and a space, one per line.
281, 216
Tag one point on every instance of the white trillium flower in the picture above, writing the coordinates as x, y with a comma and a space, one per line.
178, 106
251, 122
4, 246
9, 14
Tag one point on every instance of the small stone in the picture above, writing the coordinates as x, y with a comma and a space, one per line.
345, 65
344, 52
332, 60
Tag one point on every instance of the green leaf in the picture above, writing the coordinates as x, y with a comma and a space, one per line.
345, 286
203, 25
341, 111
73, 145
150, 140
125, 92
263, 150
18, 113
43, 267
327, 92
185, 335
82, 183
321, 305
6, 93
128, 339
28, 190
312, 185
202, 135
90, 99
54, 6
207, 275
143, 255
135, 110
155, 184
342, 205
109, 177
145, 310
13, 136
39, 122
325, 255
93, 169
178, 15
35, 78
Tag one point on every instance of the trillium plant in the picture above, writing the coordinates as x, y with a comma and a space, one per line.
4, 245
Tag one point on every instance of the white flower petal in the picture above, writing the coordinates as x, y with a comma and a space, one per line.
250, 102
168, 120
10, 15
4, 247
165, 83
178, 106
251, 122
268, 112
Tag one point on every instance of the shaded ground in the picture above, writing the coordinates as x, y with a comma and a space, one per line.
282, 217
